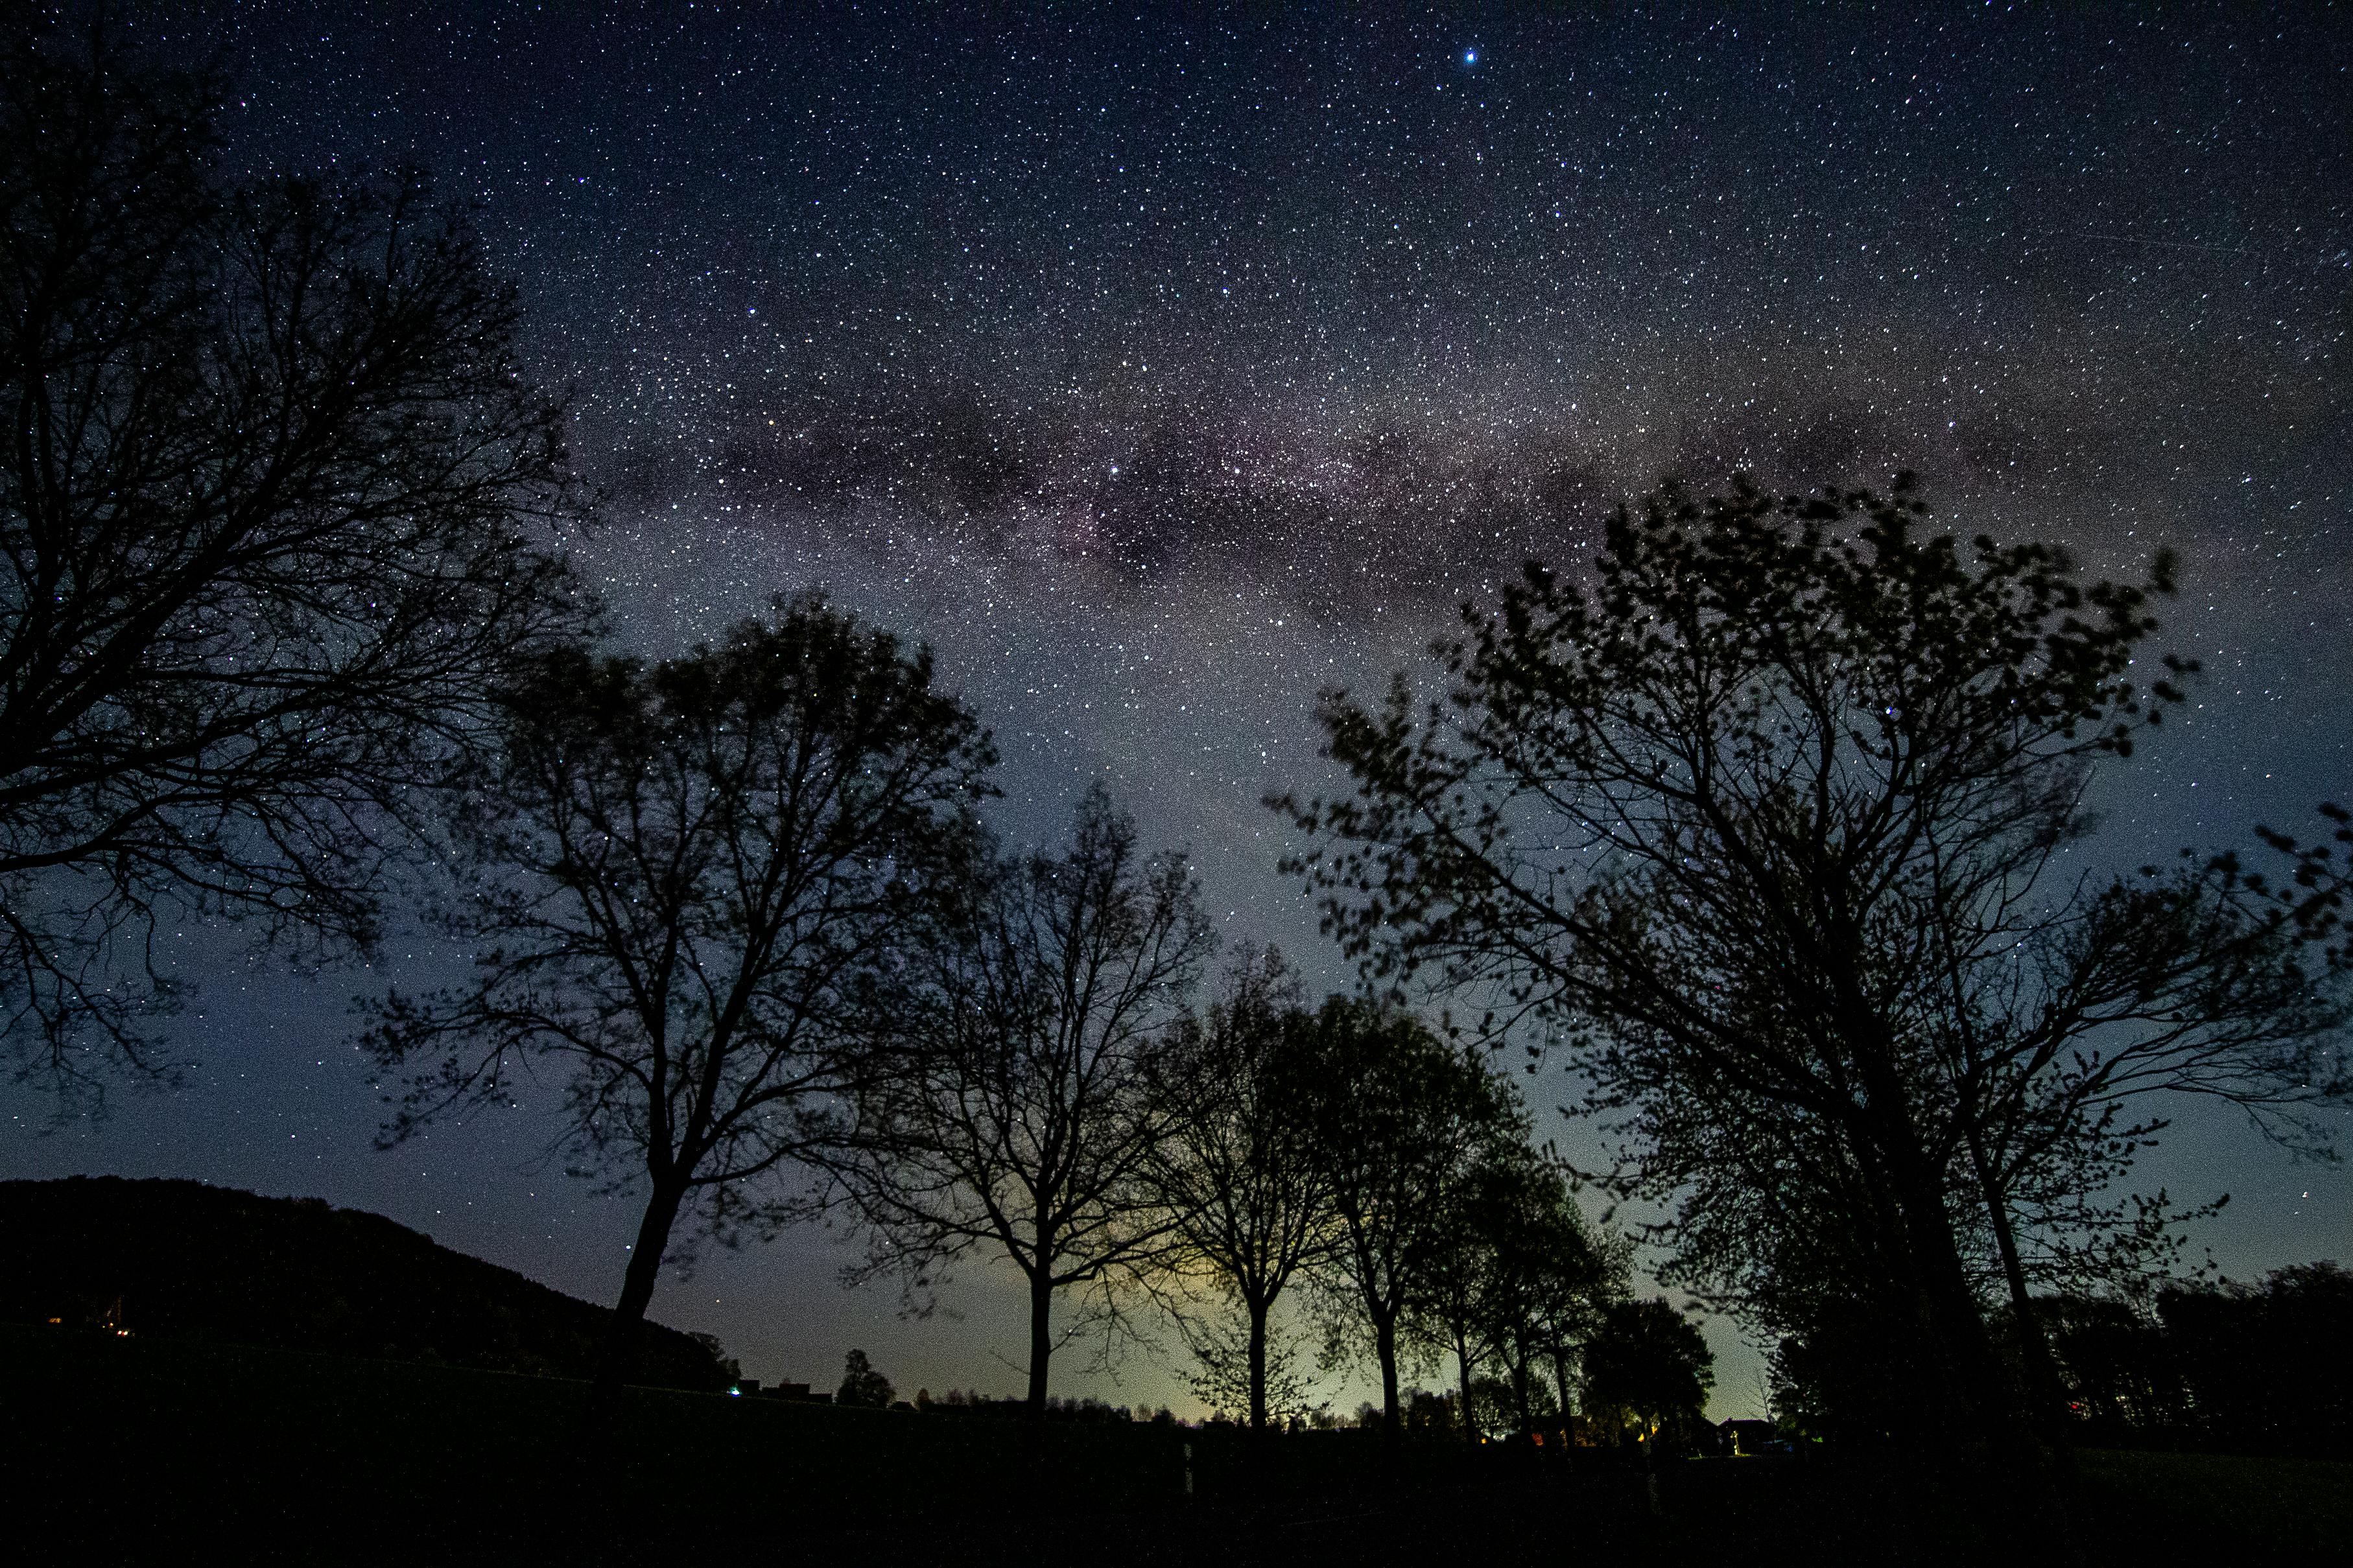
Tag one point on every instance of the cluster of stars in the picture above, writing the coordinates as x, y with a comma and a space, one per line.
1163, 370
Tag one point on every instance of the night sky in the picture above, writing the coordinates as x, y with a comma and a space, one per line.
1161, 369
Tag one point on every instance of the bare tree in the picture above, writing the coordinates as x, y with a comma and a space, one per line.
694, 890
278, 509
1020, 1119
1239, 1172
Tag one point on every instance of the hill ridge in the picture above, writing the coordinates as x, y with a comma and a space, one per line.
177, 1258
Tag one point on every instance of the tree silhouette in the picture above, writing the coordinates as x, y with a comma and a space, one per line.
2263, 1365
862, 1386
1020, 1117
1512, 1276
1451, 1308
1759, 828
694, 888
278, 510
1550, 1281
1648, 1362
1239, 1173
2062, 1017
1779, 1218
1402, 1118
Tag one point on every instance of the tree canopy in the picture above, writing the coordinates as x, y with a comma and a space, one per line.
1766, 828
281, 513
862, 1387
1240, 1169
1649, 1364
694, 890
1016, 1113
1402, 1119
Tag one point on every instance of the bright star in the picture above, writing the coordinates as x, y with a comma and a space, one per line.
1470, 57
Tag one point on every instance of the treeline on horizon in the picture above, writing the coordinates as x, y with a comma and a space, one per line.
1754, 827
2250, 1368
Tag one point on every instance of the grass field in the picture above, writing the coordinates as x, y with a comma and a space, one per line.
140, 1450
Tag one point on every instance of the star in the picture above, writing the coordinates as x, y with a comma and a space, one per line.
1399, 343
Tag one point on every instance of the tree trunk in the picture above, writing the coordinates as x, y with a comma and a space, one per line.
1987, 1398
1463, 1364
1041, 1340
1567, 1421
1980, 1391
1258, 1365
2041, 1367
1385, 1350
619, 1358
1959, 1331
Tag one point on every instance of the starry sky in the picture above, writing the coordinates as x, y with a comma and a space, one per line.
1161, 366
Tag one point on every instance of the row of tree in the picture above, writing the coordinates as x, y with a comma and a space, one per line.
1643, 1372
1774, 826
1771, 828
2257, 1366
740, 905
2245, 1367
288, 604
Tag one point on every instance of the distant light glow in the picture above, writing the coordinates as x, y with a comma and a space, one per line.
1442, 354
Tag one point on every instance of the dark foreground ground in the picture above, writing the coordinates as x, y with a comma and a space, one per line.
141, 1450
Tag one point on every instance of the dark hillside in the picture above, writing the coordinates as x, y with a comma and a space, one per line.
181, 1260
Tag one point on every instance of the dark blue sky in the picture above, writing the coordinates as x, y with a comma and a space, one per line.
1161, 367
